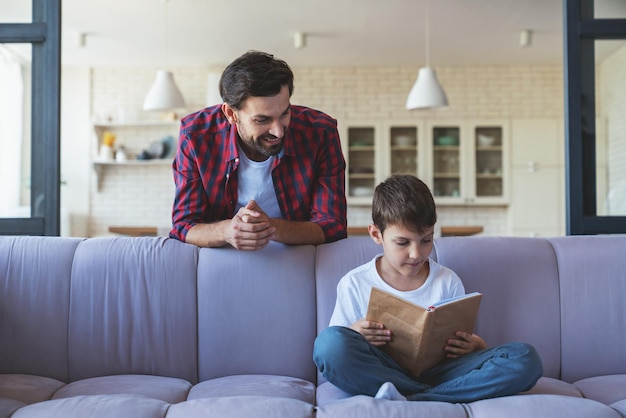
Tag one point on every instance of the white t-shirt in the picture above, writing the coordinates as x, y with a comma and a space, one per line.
255, 183
353, 290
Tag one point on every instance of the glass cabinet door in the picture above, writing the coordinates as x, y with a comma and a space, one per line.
488, 146
403, 143
361, 161
446, 161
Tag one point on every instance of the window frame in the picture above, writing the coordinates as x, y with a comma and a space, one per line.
581, 30
44, 33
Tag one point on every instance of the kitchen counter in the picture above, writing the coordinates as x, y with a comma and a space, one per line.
135, 231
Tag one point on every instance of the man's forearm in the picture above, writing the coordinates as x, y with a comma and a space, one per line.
295, 232
287, 232
207, 235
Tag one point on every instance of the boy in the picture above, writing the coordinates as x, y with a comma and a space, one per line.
348, 354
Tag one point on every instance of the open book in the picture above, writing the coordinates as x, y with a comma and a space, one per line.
418, 334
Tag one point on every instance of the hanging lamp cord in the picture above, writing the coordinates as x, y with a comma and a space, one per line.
427, 29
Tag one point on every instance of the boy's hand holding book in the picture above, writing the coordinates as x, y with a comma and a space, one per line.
463, 343
374, 332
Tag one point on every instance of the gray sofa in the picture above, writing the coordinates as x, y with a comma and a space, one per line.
151, 327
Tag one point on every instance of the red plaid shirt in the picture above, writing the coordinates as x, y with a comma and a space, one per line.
309, 178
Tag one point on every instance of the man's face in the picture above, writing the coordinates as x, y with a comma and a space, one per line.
261, 123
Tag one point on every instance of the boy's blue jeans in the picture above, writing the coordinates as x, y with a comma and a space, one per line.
347, 360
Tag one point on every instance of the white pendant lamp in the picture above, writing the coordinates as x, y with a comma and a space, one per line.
164, 95
426, 93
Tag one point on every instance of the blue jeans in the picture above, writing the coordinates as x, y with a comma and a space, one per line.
347, 360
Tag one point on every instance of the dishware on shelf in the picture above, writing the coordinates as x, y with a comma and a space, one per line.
362, 191
169, 147
403, 140
447, 140
120, 154
106, 153
156, 149
486, 140
360, 144
361, 170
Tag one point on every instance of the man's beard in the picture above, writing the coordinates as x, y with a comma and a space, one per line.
259, 146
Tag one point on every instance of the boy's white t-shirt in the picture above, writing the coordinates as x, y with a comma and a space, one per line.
255, 183
353, 290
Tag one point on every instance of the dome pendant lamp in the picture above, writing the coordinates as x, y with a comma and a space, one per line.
426, 92
164, 95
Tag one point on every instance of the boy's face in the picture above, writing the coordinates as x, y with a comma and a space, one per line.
406, 252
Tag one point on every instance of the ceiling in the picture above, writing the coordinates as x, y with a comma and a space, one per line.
176, 33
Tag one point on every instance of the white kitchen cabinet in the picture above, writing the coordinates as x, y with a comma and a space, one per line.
403, 148
135, 137
374, 151
538, 177
361, 143
463, 163
468, 162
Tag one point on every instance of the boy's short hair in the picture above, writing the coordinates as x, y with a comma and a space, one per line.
256, 74
403, 200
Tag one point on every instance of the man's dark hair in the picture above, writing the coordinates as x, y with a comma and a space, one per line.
255, 74
403, 200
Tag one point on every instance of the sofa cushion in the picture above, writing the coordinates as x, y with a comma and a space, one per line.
620, 407
167, 389
551, 386
34, 304
605, 389
9, 406
28, 388
256, 311
242, 407
540, 406
519, 280
591, 270
258, 385
132, 308
366, 406
327, 392
101, 406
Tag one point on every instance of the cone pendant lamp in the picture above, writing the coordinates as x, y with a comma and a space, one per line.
426, 93
164, 94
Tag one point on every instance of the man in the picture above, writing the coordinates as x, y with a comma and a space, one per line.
257, 168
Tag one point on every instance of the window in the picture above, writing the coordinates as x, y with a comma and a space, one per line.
595, 116
38, 187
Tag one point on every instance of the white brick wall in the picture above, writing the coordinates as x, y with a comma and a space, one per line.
142, 196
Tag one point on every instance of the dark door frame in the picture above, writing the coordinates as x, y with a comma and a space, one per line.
581, 30
44, 33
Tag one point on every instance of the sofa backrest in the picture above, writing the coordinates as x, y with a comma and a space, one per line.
256, 311
133, 308
72, 308
592, 273
519, 280
34, 305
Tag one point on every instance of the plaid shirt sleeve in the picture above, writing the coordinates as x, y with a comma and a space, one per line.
310, 179
201, 171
